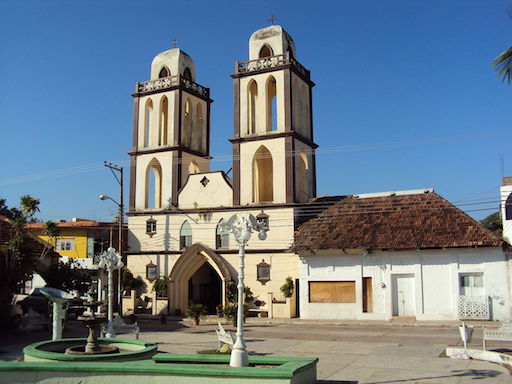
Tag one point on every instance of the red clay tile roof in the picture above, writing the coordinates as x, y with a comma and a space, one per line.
74, 224
424, 220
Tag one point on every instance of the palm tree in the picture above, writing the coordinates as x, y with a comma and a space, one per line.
503, 65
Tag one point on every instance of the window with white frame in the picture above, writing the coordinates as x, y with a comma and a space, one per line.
471, 284
151, 227
65, 245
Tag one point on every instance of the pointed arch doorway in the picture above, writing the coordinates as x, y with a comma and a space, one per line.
199, 275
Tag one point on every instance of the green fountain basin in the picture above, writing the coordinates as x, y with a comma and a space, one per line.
163, 368
53, 351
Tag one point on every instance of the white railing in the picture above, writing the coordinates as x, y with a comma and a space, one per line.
474, 308
270, 62
169, 82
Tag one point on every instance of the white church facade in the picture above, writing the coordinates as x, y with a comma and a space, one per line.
177, 204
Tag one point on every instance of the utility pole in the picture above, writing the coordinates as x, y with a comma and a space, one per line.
114, 168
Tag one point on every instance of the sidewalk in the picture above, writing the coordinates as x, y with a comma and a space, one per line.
212, 320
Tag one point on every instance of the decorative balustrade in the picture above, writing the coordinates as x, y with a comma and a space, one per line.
170, 82
270, 62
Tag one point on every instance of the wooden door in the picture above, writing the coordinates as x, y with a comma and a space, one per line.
367, 294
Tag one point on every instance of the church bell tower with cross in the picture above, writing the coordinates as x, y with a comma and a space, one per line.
273, 147
171, 132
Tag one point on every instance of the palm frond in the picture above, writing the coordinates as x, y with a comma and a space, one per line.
503, 65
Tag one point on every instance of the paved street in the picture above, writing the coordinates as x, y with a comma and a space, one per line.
371, 354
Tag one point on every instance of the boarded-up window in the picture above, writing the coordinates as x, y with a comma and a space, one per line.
332, 291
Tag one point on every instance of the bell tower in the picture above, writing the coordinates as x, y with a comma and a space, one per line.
273, 148
171, 132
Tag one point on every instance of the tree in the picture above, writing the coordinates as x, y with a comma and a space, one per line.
503, 63
69, 277
493, 223
18, 259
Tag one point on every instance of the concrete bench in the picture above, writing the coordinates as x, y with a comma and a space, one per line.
259, 312
121, 327
503, 333
224, 337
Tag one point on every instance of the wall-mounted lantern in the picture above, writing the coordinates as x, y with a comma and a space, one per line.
263, 272
263, 218
151, 271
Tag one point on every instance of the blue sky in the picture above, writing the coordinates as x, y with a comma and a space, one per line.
405, 96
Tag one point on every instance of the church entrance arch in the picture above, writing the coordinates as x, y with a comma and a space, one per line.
199, 275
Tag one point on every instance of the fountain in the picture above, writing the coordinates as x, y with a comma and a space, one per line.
126, 361
92, 322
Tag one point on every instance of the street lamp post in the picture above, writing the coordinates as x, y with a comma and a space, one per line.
241, 228
118, 174
119, 246
110, 260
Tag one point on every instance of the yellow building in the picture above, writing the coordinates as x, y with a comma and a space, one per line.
80, 238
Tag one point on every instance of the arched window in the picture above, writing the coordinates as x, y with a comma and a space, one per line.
164, 72
198, 128
187, 124
252, 97
164, 118
221, 236
302, 175
266, 51
263, 176
508, 208
148, 110
153, 185
193, 168
185, 236
187, 74
271, 104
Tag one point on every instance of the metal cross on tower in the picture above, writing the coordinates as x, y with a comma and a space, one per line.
272, 19
174, 43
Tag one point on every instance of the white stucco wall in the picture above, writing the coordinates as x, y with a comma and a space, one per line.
279, 237
276, 148
261, 102
216, 193
505, 191
436, 280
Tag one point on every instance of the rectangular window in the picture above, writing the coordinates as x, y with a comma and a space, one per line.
65, 245
332, 291
151, 227
472, 284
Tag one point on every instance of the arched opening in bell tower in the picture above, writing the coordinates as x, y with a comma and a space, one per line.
302, 175
265, 51
187, 124
148, 110
263, 176
164, 118
187, 74
252, 97
164, 72
153, 185
271, 104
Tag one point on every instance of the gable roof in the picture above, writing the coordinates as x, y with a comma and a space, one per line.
409, 221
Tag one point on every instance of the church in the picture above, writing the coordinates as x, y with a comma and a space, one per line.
348, 258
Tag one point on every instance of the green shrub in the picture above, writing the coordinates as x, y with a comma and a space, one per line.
287, 287
160, 286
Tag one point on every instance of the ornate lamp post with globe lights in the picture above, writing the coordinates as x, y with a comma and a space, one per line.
110, 260
241, 228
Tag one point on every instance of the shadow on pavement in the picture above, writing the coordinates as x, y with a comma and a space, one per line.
474, 374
